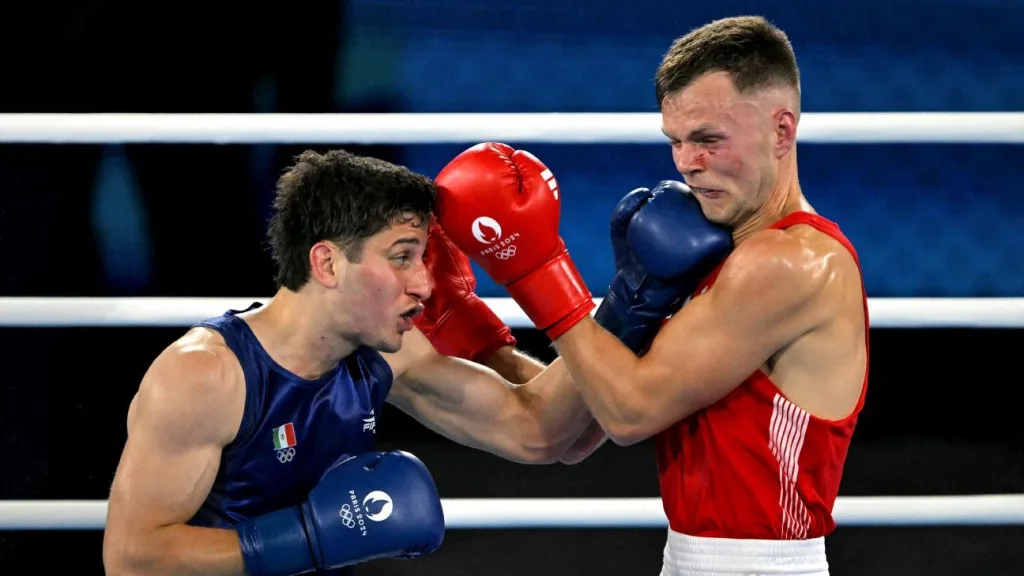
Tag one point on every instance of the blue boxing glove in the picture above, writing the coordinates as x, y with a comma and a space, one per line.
663, 246
376, 505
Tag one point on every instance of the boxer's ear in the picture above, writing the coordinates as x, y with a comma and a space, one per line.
784, 123
326, 261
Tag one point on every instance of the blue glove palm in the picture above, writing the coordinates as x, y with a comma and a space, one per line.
663, 246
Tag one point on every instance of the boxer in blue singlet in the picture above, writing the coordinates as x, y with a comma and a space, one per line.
250, 443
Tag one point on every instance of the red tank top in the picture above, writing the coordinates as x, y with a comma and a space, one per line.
754, 465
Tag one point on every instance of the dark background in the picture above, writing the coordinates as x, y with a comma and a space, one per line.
188, 220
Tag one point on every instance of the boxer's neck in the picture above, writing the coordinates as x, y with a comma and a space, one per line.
784, 198
294, 330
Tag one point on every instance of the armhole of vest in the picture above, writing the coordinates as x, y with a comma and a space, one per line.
382, 372
253, 383
833, 230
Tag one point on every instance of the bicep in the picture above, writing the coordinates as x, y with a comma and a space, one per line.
160, 482
172, 453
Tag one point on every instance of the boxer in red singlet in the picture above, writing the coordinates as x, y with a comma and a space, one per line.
752, 390
753, 387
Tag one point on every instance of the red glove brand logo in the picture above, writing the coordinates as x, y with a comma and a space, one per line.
552, 183
486, 230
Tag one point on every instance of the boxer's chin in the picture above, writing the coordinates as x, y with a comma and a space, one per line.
716, 207
389, 347
391, 343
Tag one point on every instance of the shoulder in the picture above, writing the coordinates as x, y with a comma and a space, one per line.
416, 349
195, 380
411, 366
792, 268
198, 362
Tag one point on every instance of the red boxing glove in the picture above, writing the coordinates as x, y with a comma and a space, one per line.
455, 320
501, 207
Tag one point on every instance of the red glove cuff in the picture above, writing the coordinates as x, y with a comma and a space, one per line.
554, 296
470, 330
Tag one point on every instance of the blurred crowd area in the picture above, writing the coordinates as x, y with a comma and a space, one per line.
927, 219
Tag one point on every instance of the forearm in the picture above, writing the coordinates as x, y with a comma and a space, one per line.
557, 409
603, 370
561, 410
588, 442
175, 550
513, 365
482, 406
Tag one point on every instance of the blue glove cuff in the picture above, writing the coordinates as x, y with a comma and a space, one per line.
617, 319
635, 322
275, 544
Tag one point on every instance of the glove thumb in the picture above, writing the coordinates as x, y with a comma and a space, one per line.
671, 186
619, 223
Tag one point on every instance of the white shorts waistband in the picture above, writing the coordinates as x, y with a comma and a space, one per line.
698, 556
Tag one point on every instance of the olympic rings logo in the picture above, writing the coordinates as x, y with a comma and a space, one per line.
506, 253
346, 516
286, 455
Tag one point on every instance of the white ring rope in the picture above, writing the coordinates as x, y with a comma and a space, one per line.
498, 513
419, 128
183, 311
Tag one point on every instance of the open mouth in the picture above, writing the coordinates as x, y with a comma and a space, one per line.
411, 313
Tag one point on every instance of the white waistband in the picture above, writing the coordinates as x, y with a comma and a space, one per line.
696, 556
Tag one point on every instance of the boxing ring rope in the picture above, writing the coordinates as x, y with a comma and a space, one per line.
634, 128
498, 513
421, 128
532, 513
183, 311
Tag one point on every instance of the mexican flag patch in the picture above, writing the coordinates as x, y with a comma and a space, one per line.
284, 436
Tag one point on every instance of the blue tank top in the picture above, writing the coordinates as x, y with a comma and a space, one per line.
292, 429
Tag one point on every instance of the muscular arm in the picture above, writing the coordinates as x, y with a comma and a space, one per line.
188, 407
592, 438
518, 368
764, 298
474, 405
513, 365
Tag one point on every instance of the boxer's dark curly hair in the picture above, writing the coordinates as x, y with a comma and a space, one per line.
751, 50
344, 198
